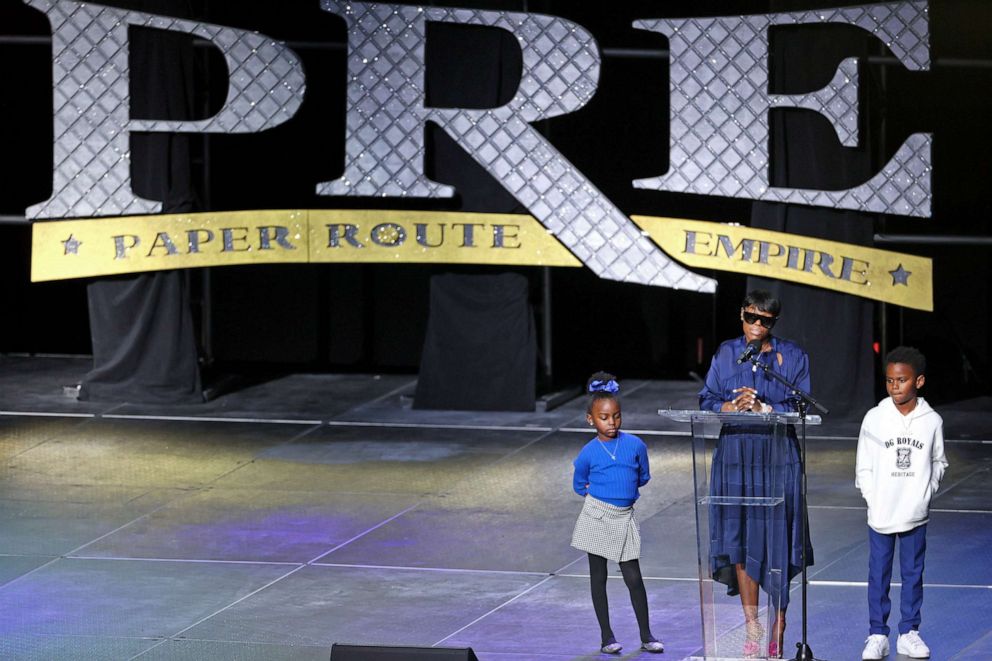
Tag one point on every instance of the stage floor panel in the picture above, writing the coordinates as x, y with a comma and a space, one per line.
320, 605
249, 525
310, 509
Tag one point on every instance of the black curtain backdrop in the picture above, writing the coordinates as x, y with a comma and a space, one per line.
469, 66
141, 326
481, 348
836, 329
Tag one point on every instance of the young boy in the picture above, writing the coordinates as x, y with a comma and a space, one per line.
899, 466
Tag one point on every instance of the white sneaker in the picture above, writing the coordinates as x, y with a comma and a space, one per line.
912, 645
876, 647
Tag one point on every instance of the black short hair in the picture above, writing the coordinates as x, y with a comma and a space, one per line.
596, 395
910, 356
762, 300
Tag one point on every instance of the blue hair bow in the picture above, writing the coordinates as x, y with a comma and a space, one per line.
610, 386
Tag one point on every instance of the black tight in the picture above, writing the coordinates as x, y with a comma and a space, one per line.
631, 570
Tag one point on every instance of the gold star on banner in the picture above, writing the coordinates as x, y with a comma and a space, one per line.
900, 276
71, 245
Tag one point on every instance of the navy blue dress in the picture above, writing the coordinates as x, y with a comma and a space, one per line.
759, 537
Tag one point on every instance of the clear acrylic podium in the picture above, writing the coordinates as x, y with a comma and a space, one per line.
722, 619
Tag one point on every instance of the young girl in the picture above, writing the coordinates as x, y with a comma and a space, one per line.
608, 472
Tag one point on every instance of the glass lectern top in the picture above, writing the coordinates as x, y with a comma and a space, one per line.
695, 415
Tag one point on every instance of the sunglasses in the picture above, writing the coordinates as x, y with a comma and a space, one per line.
752, 318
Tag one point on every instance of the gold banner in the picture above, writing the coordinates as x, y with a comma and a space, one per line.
130, 244
892, 277
109, 246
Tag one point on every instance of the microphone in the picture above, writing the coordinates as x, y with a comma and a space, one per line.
753, 347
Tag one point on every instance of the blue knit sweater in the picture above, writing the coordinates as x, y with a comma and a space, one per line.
612, 481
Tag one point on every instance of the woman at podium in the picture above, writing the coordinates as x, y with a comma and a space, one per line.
748, 544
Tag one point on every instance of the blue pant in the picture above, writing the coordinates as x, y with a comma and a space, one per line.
912, 548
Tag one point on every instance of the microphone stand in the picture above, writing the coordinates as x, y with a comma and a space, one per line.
803, 401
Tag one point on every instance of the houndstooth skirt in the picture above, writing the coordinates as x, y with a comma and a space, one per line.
608, 531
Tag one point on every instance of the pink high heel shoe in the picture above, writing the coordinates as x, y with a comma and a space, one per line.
752, 642
773, 651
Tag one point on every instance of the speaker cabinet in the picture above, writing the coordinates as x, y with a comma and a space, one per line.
341, 652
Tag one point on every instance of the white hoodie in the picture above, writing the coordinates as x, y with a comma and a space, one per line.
900, 463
